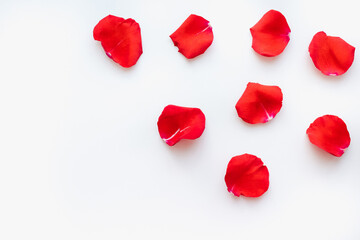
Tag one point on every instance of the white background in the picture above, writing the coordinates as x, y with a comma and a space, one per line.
80, 155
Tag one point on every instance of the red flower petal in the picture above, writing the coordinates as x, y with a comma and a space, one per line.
270, 34
246, 175
120, 38
329, 133
331, 55
193, 37
259, 103
176, 123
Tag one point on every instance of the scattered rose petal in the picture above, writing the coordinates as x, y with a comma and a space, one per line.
329, 133
120, 38
193, 37
270, 34
176, 123
259, 103
331, 55
246, 175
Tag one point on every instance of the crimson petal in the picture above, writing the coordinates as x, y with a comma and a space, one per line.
271, 34
259, 103
329, 133
246, 175
193, 37
176, 123
331, 55
120, 38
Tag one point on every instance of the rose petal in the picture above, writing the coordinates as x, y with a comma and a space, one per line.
193, 37
329, 133
259, 103
120, 38
176, 123
331, 55
246, 175
270, 34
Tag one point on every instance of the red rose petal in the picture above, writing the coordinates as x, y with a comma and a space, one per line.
120, 38
329, 133
176, 123
259, 103
331, 55
246, 175
270, 34
193, 37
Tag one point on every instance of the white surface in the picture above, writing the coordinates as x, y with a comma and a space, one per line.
80, 155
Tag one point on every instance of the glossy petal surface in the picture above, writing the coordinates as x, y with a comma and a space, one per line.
246, 175
331, 55
193, 37
271, 34
176, 123
329, 133
120, 38
259, 103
